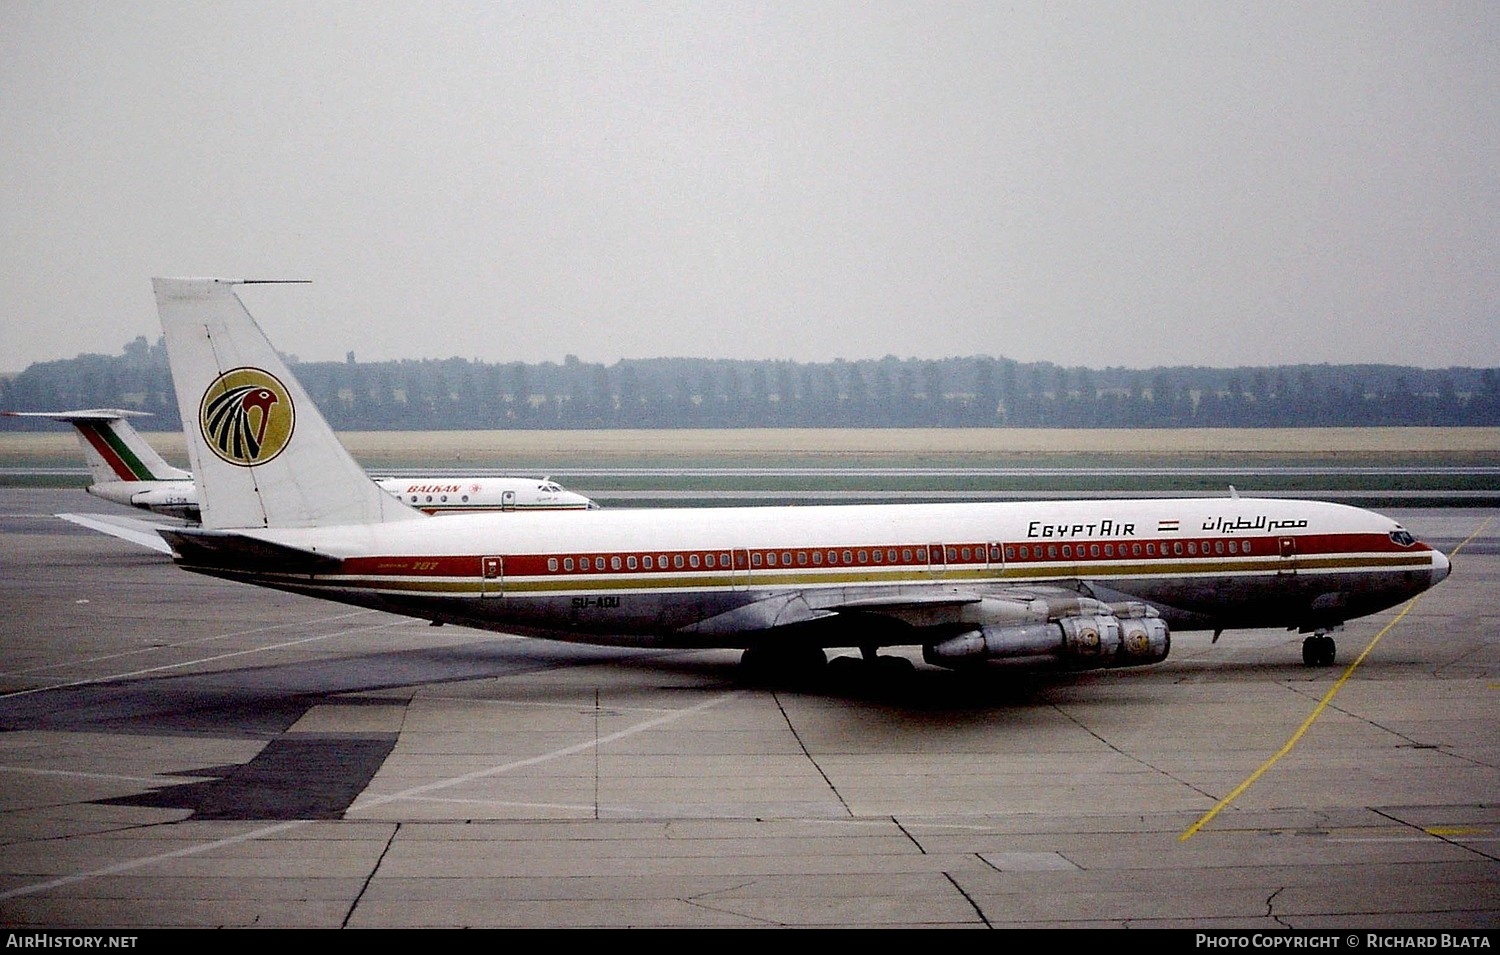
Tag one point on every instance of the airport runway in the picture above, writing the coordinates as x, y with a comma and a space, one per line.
179, 751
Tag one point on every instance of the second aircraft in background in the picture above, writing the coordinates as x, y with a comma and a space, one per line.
126, 470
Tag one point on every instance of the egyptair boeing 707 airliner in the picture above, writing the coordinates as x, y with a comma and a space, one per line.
1062, 585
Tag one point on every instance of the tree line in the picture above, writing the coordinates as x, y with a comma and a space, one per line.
970, 392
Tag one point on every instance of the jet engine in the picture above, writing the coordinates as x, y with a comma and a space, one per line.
1078, 634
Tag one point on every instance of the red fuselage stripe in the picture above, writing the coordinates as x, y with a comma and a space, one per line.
907, 556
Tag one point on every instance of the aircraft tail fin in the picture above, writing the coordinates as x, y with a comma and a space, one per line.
262, 455
114, 450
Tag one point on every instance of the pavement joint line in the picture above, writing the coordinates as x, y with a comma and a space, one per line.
576, 748
580, 706
264, 831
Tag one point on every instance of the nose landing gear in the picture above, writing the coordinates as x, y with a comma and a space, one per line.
1318, 650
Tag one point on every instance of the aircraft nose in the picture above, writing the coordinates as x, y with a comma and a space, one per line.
1440, 565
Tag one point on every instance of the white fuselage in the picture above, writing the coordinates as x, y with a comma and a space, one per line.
719, 576
445, 495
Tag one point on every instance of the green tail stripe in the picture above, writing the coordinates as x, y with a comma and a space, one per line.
124, 461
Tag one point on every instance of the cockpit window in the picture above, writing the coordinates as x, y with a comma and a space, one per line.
1403, 537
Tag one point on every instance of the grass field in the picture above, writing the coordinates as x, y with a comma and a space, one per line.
996, 463
968, 447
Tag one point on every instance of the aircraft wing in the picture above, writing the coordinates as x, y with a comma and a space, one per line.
892, 617
131, 529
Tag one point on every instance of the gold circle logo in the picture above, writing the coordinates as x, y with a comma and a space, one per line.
246, 416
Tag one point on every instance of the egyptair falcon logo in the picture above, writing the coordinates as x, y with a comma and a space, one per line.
247, 416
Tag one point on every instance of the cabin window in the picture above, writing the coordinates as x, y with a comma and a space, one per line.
724, 561
755, 558
817, 557
1177, 548
552, 564
429, 499
630, 562
1218, 547
952, 554
614, 563
465, 498
864, 557
801, 558
677, 561
1150, 550
647, 562
1192, 548
414, 499
661, 561
879, 556
1109, 550
567, 563
708, 560
965, 553
771, 559
1245, 547
1067, 550
921, 554
693, 560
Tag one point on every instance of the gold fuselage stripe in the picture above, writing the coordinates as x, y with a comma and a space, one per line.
906, 576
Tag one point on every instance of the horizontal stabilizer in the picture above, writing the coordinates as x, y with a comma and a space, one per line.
87, 414
132, 529
201, 548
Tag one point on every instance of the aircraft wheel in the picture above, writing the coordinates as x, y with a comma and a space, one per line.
1319, 650
1330, 651
846, 666
767, 664
893, 668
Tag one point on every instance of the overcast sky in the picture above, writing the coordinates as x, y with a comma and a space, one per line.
1090, 184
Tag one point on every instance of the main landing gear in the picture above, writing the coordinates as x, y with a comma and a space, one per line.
1318, 650
796, 664
793, 663
871, 664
